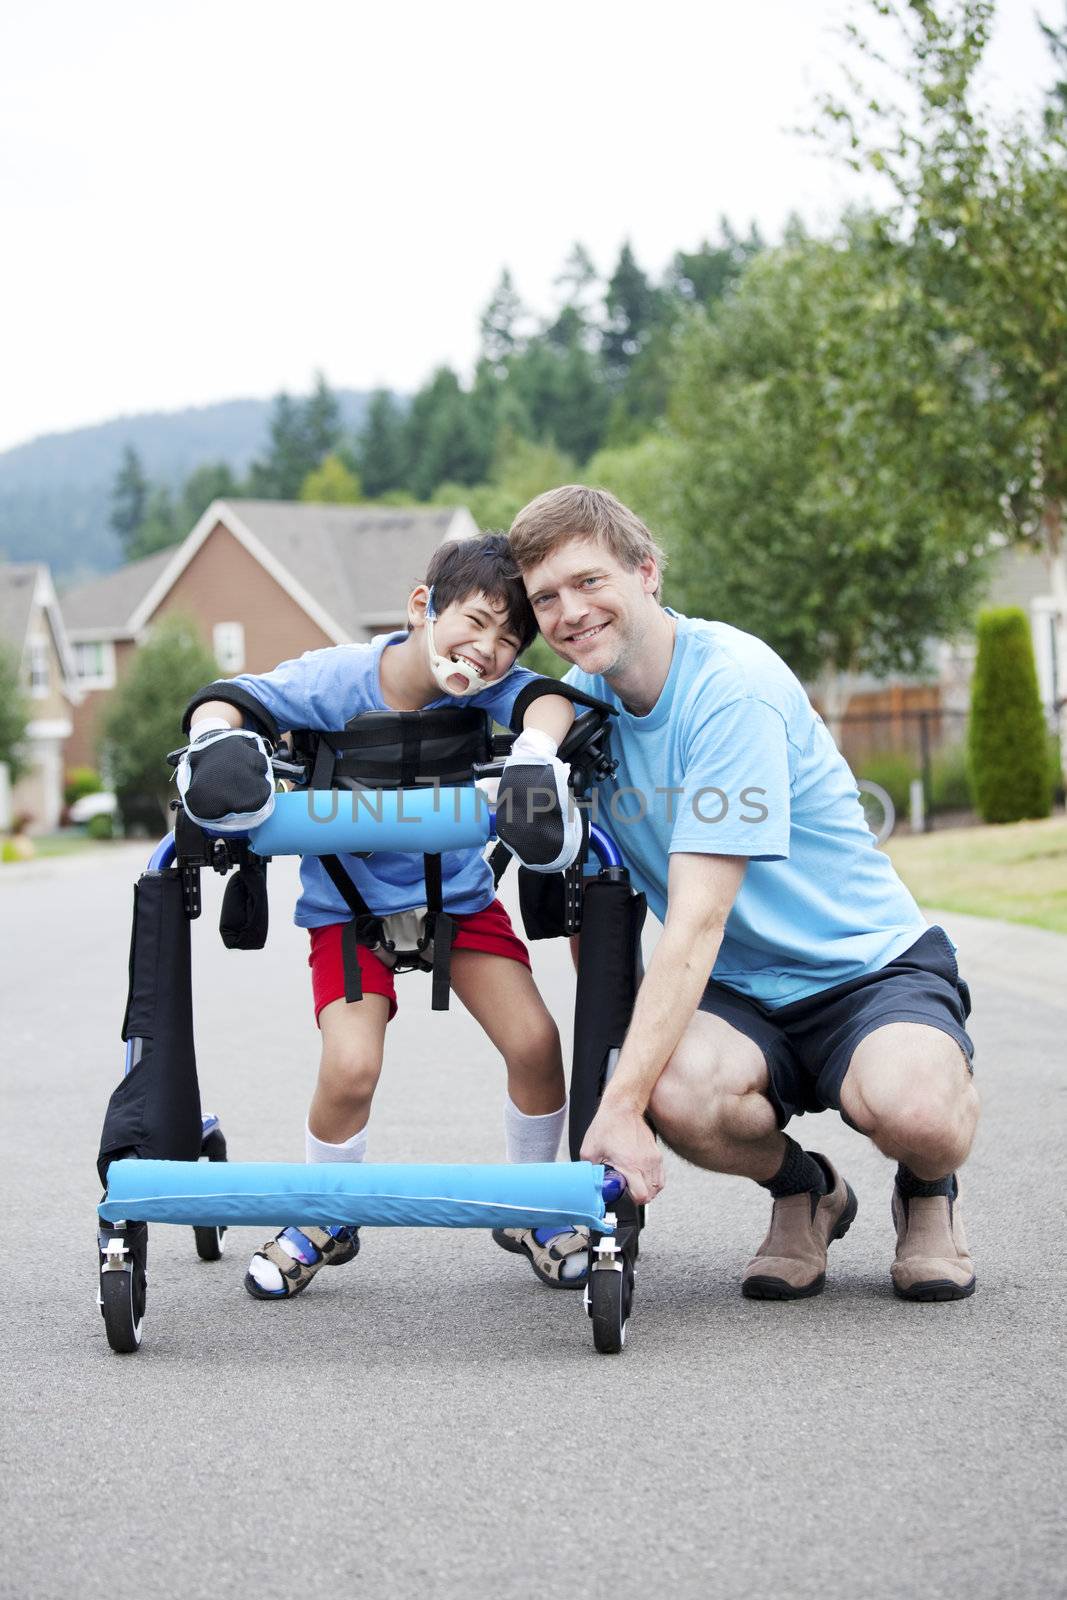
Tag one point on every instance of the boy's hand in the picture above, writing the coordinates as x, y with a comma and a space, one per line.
536, 816
225, 780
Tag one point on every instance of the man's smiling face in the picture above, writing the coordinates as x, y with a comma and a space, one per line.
590, 608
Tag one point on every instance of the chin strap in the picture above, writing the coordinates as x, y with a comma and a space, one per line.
444, 668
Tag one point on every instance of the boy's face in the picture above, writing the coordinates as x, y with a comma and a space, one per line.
475, 630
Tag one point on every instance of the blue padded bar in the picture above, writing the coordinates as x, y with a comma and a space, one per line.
276, 1194
326, 822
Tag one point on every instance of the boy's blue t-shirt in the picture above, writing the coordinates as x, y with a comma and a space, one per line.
733, 760
324, 689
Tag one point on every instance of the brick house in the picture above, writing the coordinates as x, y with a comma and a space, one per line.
32, 628
264, 581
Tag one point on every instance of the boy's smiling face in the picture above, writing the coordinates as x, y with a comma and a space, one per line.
476, 630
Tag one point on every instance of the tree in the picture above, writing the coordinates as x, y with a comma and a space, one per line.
521, 469
632, 306
380, 447
1007, 737
981, 217
332, 483
301, 434
321, 420
501, 324
213, 481
160, 527
441, 439
143, 720
834, 502
647, 477
14, 714
129, 500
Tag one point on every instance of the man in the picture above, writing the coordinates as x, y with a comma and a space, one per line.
795, 972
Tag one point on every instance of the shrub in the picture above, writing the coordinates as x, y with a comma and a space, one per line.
100, 827
893, 771
80, 782
144, 718
1007, 739
950, 780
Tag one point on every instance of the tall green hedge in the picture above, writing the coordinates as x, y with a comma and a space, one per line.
1008, 740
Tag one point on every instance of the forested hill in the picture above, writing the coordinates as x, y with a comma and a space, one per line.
55, 491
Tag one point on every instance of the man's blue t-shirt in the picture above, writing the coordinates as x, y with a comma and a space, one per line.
323, 689
732, 760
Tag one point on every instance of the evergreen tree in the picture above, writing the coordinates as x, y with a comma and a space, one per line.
129, 500
160, 527
442, 441
632, 306
321, 422
1007, 737
213, 481
380, 455
501, 323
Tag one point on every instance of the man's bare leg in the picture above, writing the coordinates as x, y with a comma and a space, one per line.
909, 1088
712, 1106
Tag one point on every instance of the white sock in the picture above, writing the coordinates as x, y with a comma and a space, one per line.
266, 1274
353, 1149
532, 1138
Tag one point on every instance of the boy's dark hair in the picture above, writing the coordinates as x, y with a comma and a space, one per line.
463, 568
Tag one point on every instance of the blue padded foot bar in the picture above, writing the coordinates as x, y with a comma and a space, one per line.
331, 821
276, 1194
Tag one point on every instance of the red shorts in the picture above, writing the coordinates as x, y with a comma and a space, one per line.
489, 930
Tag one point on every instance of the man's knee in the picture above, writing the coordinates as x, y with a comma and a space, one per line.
707, 1087
920, 1101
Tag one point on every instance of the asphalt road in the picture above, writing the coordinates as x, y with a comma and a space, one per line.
429, 1421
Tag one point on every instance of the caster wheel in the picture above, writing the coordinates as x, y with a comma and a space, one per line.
609, 1297
210, 1242
123, 1292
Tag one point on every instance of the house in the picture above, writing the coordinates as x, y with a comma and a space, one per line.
264, 581
31, 626
904, 713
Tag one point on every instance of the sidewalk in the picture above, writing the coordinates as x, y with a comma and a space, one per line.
1030, 963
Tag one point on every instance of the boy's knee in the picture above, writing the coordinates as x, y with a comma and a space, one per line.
351, 1073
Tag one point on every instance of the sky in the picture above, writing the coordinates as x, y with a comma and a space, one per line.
204, 201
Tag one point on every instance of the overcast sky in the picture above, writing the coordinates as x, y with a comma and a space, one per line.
208, 200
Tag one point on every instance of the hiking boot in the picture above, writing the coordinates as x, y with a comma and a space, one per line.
286, 1264
790, 1264
932, 1262
559, 1256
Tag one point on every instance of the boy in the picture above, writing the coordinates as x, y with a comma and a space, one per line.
466, 625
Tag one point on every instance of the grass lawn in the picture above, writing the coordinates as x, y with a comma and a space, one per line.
1017, 872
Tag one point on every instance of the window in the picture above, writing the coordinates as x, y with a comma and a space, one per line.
94, 663
228, 641
39, 668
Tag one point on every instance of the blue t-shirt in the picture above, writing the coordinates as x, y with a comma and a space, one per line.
732, 760
324, 689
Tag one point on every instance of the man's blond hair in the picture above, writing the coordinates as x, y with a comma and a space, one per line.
575, 512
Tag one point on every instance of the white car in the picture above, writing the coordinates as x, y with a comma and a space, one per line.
93, 805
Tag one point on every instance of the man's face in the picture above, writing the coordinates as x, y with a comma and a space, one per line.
475, 630
592, 610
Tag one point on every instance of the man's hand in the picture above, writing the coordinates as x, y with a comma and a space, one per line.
535, 812
225, 779
621, 1138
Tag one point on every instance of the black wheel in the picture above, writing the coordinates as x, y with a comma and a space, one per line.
210, 1242
122, 1322
610, 1297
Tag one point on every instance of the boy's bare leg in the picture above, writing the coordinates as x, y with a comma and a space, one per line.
502, 997
353, 1042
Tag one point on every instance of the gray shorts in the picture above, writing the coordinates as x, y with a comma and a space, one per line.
808, 1045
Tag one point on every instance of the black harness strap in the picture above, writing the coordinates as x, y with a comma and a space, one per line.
499, 857
363, 923
441, 930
